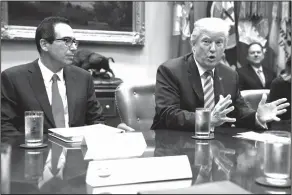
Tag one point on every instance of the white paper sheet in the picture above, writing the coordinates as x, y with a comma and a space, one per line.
216, 187
250, 135
114, 146
75, 134
136, 188
138, 170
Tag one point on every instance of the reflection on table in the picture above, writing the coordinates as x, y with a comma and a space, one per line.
61, 168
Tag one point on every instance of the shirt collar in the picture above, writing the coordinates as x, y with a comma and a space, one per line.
257, 68
201, 69
48, 74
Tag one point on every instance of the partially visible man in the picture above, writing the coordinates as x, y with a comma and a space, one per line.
65, 93
254, 75
199, 80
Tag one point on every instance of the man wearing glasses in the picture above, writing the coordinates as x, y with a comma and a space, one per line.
65, 93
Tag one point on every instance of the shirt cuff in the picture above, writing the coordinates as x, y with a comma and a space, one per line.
263, 125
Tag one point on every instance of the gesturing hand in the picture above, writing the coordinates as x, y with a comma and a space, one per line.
267, 112
218, 115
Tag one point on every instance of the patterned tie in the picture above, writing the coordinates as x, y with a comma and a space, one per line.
57, 104
260, 77
208, 90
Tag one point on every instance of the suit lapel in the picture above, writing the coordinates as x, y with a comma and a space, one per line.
218, 86
194, 78
70, 80
37, 84
267, 76
254, 75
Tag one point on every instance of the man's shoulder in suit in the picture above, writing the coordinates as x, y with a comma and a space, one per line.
19, 69
242, 69
176, 63
227, 69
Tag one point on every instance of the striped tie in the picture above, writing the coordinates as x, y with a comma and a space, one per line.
260, 77
208, 90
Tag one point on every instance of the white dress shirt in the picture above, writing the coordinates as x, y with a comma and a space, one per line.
260, 75
47, 76
201, 72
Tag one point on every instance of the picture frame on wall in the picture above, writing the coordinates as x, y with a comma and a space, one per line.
104, 22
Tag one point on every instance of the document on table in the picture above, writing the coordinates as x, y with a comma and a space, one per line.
250, 135
218, 187
76, 134
140, 187
114, 146
138, 170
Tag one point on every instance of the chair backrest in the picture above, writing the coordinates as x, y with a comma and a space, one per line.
253, 97
136, 104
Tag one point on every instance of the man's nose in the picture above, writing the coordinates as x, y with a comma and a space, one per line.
212, 46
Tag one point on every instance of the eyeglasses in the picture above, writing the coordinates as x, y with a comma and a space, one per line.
68, 41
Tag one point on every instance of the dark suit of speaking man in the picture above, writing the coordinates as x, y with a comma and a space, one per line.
198, 80
64, 93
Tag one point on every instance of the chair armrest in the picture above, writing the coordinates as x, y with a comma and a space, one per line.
125, 127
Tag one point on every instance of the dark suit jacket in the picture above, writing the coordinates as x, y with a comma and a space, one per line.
179, 92
281, 89
23, 89
248, 78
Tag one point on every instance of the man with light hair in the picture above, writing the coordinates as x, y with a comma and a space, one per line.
198, 79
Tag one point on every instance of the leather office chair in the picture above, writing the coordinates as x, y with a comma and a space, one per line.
136, 105
253, 97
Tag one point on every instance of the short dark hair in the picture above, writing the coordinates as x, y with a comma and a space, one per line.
46, 29
255, 43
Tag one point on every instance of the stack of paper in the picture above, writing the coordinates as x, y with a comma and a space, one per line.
76, 134
106, 176
262, 137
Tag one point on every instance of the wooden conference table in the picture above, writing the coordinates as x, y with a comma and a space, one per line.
223, 158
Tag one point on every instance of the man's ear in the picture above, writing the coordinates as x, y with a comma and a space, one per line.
44, 44
193, 49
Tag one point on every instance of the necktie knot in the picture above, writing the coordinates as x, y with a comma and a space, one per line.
208, 73
259, 71
55, 78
